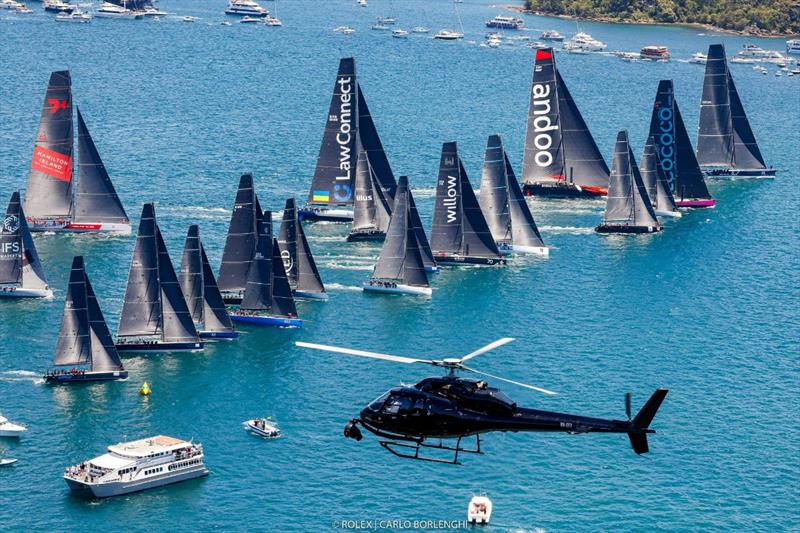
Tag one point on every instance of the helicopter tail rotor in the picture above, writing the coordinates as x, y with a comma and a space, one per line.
640, 425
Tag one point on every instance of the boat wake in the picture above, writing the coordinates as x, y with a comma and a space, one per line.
340, 287
573, 230
198, 212
20, 375
424, 193
348, 266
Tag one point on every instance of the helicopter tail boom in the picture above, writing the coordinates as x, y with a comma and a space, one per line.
640, 425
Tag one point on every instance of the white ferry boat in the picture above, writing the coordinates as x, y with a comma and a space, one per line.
138, 465
756, 52
505, 23
246, 7
793, 46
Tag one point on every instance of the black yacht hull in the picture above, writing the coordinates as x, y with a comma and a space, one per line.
85, 377
611, 228
373, 235
140, 347
451, 260
562, 190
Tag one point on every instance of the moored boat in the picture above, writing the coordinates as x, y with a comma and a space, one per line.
84, 342
551, 35
74, 16
726, 144
628, 207
698, 58
136, 466
154, 315
448, 35
21, 272
793, 46
505, 22
561, 157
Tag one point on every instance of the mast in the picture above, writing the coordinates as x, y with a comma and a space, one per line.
215, 316
177, 324
191, 275
74, 343
524, 231
49, 191
400, 257
11, 251
558, 144
725, 137
240, 243
371, 143
301, 269
141, 308
334, 176
494, 191
674, 148
96, 199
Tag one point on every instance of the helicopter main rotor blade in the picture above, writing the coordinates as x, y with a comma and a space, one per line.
487, 348
362, 353
538, 389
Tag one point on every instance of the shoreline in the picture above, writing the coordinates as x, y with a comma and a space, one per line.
697, 25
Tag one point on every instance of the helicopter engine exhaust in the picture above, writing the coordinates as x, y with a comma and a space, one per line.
351, 430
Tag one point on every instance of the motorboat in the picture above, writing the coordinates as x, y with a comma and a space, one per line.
250, 20
479, 510
263, 427
10, 429
74, 16
756, 52
246, 8
137, 465
109, 10
9, 4
793, 46
654, 53
448, 35
189, 19
362, 3
551, 35
269, 20
505, 22
583, 42
347, 30
22, 9
420, 29
699, 58
7, 462
388, 21
380, 27
536, 44
152, 11
400, 34
58, 6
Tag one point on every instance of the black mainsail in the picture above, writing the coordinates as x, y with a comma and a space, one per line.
258, 291
335, 172
154, 304
675, 151
725, 138
561, 156
628, 208
282, 300
49, 191
84, 337
301, 269
460, 233
96, 199
19, 261
400, 259
655, 182
240, 243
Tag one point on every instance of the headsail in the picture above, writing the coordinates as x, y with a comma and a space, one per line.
282, 300
400, 257
104, 351
653, 176
258, 293
141, 308
371, 143
524, 231
674, 148
240, 244
478, 241
419, 231
191, 274
32, 271
49, 192
301, 270
177, 325
494, 192
215, 316
725, 137
74, 345
558, 144
371, 210
11, 251
96, 199
627, 203
335, 173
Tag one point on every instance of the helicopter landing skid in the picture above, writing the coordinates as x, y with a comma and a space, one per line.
396, 449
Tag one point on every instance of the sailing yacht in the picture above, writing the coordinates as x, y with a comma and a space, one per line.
84, 342
371, 209
676, 155
53, 200
501, 200
400, 269
726, 145
628, 207
154, 315
267, 299
452, 35
21, 272
240, 244
299, 264
460, 234
561, 157
655, 182
332, 196
201, 292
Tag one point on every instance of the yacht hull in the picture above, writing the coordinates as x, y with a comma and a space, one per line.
268, 321
118, 488
374, 235
467, 260
531, 250
740, 173
398, 288
225, 335
310, 295
324, 214
612, 228
59, 226
86, 377
22, 292
562, 190
673, 214
145, 347
696, 202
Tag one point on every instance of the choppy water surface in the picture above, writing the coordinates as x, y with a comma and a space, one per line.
180, 110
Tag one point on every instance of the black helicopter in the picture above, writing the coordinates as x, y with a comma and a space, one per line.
450, 407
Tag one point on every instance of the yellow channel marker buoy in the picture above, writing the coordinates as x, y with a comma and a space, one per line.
145, 389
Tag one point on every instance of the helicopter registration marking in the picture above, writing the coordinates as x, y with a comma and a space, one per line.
567, 425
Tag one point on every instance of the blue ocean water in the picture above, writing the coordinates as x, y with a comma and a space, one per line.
708, 308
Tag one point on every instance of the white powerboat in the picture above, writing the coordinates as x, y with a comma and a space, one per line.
75, 16
551, 35
269, 20
23, 9
57, 6
263, 427
250, 20
362, 3
699, 58
448, 35
793, 46
479, 510
9, 429
109, 10
138, 465
756, 52
152, 11
420, 29
7, 462
9, 4
380, 27
388, 21
246, 8
400, 34
583, 42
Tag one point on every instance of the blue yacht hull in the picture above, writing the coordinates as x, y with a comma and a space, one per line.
85, 377
269, 321
229, 335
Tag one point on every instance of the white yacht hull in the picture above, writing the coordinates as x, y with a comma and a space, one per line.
117, 488
398, 288
673, 214
533, 250
12, 430
22, 292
